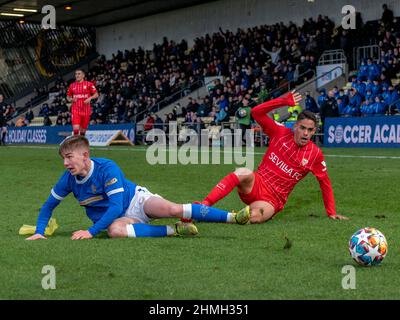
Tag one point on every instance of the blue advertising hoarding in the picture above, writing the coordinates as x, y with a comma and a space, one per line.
367, 132
56, 134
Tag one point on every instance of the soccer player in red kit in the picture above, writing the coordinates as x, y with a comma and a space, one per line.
291, 155
81, 92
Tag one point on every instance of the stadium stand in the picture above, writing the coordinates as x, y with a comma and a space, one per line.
256, 63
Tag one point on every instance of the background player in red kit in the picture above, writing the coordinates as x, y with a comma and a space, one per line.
81, 92
289, 158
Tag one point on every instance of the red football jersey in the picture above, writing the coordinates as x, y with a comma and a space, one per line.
285, 163
81, 91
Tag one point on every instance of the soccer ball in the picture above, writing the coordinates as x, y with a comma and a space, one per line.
242, 113
368, 246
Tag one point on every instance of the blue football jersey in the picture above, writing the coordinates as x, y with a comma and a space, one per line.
93, 192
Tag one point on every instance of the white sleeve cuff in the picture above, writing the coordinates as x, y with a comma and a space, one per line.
55, 195
110, 193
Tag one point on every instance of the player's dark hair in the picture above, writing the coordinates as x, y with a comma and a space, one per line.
72, 143
306, 114
81, 70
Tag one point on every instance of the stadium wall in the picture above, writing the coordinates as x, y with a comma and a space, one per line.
192, 22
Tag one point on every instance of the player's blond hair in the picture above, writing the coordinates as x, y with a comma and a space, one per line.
73, 143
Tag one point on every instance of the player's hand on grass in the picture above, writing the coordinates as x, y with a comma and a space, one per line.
81, 234
36, 237
296, 97
338, 217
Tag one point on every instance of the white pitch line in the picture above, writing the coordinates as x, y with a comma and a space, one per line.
141, 149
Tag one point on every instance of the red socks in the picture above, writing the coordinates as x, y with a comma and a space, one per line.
222, 189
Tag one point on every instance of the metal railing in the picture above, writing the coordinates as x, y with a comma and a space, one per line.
365, 52
170, 99
319, 77
287, 86
332, 57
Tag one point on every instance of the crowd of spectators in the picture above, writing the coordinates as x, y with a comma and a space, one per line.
256, 63
264, 58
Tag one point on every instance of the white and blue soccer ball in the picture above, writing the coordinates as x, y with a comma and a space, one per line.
242, 113
368, 246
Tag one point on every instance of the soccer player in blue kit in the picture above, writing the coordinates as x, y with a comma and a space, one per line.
116, 204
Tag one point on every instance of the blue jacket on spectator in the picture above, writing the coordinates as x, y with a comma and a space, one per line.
311, 104
379, 107
370, 96
345, 98
395, 97
363, 73
353, 108
322, 98
376, 89
222, 115
386, 97
341, 106
369, 85
367, 108
351, 111
360, 87
373, 71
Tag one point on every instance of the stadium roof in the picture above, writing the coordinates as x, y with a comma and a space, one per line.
93, 12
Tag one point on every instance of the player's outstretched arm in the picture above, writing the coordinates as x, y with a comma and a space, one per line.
259, 113
319, 169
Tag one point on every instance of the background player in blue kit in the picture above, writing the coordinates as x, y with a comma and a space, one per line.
116, 204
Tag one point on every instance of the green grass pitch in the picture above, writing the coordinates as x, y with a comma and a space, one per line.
224, 261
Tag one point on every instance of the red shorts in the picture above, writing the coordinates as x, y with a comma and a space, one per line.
261, 192
80, 120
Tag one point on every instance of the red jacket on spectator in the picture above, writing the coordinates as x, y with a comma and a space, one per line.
149, 123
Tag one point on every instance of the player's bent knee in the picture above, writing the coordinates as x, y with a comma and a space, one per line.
117, 230
243, 172
244, 175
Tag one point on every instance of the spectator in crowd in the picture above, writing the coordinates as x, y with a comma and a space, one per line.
149, 122
158, 123
329, 108
47, 121
21, 122
29, 116
366, 108
387, 16
355, 100
222, 115
310, 103
204, 109
243, 116
379, 108
341, 106
322, 98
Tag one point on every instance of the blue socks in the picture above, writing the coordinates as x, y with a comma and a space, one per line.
200, 212
141, 230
